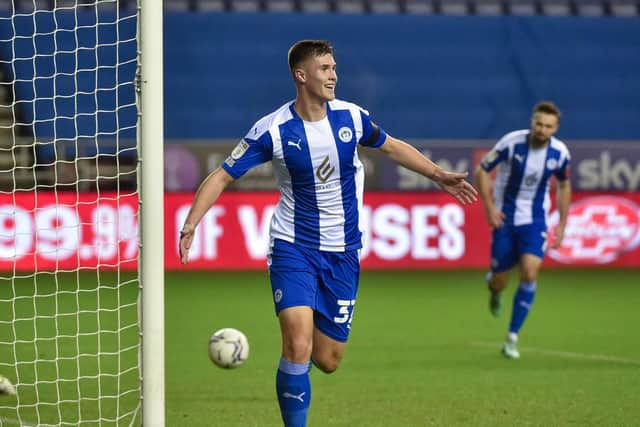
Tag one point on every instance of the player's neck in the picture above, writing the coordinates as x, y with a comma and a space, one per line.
310, 110
535, 144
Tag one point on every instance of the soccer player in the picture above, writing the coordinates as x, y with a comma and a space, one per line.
315, 234
518, 210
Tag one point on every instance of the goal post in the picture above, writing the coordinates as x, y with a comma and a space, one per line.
152, 208
81, 212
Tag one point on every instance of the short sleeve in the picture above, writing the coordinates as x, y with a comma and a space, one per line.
372, 134
562, 173
248, 154
499, 153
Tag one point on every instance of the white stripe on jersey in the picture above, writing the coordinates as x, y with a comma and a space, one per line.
328, 195
526, 193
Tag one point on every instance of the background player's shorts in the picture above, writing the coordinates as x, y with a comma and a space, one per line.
325, 281
509, 242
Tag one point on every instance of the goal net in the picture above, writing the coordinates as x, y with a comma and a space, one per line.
69, 284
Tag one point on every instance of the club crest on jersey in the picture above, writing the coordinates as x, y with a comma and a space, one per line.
239, 149
345, 134
552, 164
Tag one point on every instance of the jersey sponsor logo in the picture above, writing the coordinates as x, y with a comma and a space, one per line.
240, 149
599, 230
324, 171
552, 164
345, 134
531, 179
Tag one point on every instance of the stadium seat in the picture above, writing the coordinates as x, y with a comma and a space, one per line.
624, 7
280, 6
590, 7
350, 6
211, 5
420, 7
384, 6
522, 7
488, 7
315, 6
245, 6
556, 7
454, 7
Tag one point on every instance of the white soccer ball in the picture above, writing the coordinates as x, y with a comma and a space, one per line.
228, 348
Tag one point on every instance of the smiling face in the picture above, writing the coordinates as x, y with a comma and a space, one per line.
317, 77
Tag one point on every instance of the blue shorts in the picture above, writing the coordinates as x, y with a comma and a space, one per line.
325, 281
509, 242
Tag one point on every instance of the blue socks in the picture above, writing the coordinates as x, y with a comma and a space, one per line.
294, 392
522, 301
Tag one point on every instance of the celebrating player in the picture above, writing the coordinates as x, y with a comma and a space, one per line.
518, 210
315, 233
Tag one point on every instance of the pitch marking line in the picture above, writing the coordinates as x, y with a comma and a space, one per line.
566, 354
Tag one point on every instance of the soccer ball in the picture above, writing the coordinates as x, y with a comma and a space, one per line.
228, 348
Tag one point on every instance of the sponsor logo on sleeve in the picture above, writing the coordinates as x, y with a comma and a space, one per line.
240, 149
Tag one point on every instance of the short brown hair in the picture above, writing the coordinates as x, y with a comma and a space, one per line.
547, 107
305, 49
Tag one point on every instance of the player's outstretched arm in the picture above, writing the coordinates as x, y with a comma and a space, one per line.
495, 217
208, 192
407, 156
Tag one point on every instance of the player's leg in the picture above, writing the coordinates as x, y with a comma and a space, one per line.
327, 353
503, 258
293, 385
335, 301
531, 243
294, 285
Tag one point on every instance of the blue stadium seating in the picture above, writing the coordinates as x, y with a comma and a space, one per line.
420, 76
435, 76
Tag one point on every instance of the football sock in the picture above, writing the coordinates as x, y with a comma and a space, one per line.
522, 301
294, 392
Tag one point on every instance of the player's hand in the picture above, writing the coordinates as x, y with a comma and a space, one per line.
495, 217
558, 235
186, 237
454, 183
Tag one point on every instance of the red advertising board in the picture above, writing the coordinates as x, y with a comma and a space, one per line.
66, 231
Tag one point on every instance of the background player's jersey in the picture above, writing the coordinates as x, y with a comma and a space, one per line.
521, 188
319, 174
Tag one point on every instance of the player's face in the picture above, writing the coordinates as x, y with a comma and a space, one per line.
321, 77
543, 127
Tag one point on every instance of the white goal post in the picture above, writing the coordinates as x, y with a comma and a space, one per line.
81, 212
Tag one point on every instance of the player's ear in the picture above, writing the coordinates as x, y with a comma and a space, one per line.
299, 75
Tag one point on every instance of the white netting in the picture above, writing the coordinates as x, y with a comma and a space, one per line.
69, 333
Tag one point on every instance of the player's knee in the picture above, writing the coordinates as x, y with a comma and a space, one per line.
327, 362
297, 349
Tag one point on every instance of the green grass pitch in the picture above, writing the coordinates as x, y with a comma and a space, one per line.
424, 351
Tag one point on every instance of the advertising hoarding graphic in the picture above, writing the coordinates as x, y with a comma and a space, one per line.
599, 230
406, 230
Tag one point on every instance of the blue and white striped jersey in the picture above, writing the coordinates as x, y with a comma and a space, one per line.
521, 188
317, 169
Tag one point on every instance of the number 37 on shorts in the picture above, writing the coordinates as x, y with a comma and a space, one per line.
345, 312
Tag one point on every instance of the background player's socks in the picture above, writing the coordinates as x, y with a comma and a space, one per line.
522, 301
294, 392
